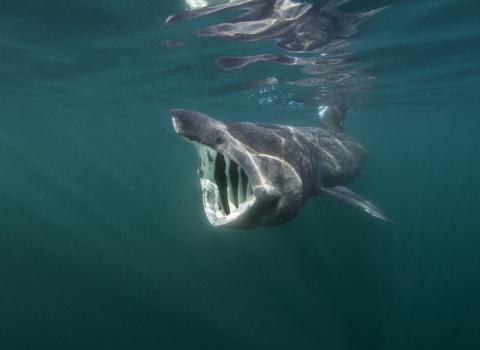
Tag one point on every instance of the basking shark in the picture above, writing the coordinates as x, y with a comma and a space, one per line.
255, 174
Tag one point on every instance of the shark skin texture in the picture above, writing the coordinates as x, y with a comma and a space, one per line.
256, 174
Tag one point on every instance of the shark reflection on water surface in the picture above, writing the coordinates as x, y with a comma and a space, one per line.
255, 174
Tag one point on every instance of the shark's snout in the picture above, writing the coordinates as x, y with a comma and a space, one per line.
193, 125
178, 119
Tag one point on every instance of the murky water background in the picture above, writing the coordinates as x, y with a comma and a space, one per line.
103, 242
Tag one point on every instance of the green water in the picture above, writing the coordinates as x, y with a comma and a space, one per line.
103, 240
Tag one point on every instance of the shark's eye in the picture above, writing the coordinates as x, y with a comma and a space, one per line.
218, 140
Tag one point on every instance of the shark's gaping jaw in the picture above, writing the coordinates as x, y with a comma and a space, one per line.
245, 183
227, 190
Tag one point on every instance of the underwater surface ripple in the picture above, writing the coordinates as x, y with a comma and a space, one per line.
103, 242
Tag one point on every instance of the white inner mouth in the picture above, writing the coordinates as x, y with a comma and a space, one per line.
227, 190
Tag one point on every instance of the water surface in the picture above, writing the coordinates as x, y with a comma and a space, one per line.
103, 242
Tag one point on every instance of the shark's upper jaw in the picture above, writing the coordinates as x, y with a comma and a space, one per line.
227, 190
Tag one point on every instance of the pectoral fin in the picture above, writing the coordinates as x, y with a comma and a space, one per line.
343, 194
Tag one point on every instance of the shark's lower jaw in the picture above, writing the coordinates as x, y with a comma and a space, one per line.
227, 190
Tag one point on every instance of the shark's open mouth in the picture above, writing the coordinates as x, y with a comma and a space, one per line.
227, 190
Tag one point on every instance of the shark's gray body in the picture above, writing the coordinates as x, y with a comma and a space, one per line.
261, 174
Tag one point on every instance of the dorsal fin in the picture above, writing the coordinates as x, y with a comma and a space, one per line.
332, 116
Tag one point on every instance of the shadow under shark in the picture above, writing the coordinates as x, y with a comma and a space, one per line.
256, 174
